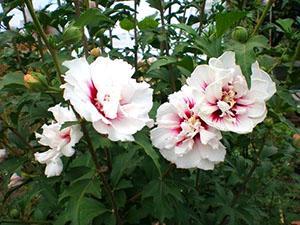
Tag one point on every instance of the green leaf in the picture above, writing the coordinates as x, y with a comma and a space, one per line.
12, 78
90, 208
143, 140
245, 54
162, 62
286, 24
68, 124
78, 210
148, 23
224, 21
92, 17
212, 46
164, 194
157, 4
127, 23
7, 37
186, 28
119, 168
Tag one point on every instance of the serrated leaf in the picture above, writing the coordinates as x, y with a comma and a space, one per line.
120, 168
186, 28
245, 54
143, 140
162, 62
12, 78
157, 4
92, 17
285, 24
148, 23
224, 21
127, 24
212, 47
68, 124
90, 208
78, 200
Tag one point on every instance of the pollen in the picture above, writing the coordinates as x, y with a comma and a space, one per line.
229, 97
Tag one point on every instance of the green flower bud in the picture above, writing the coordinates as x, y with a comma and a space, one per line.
14, 213
35, 81
72, 35
240, 34
269, 122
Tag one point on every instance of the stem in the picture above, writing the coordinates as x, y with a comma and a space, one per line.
83, 38
262, 17
111, 38
59, 3
135, 37
295, 56
24, 222
45, 39
108, 158
99, 167
164, 45
242, 187
197, 183
16, 132
19, 61
202, 15
168, 170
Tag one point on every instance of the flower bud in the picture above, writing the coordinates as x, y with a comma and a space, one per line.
15, 180
3, 155
72, 35
95, 52
240, 34
35, 81
296, 140
14, 213
269, 122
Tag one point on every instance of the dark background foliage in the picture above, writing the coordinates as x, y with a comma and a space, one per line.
259, 182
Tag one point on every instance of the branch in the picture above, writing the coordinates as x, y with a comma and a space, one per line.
99, 169
83, 38
45, 39
16, 132
262, 17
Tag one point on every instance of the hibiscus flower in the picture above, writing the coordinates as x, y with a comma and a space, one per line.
105, 94
60, 141
182, 136
228, 104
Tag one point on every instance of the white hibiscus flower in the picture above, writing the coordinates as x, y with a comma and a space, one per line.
228, 104
183, 137
105, 94
61, 142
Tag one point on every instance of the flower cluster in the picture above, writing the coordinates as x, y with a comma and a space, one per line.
103, 93
61, 141
216, 98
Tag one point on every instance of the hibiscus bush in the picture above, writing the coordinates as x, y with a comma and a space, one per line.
193, 122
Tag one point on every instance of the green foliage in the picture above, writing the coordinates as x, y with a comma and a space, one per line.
245, 53
259, 181
224, 21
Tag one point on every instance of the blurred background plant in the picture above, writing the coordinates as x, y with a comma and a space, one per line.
259, 183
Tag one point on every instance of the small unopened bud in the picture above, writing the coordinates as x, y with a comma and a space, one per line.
35, 81
96, 52
72, 35
240, 34
269, 122
14, 213
3, 155
92, 4
296, 140
15, 180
